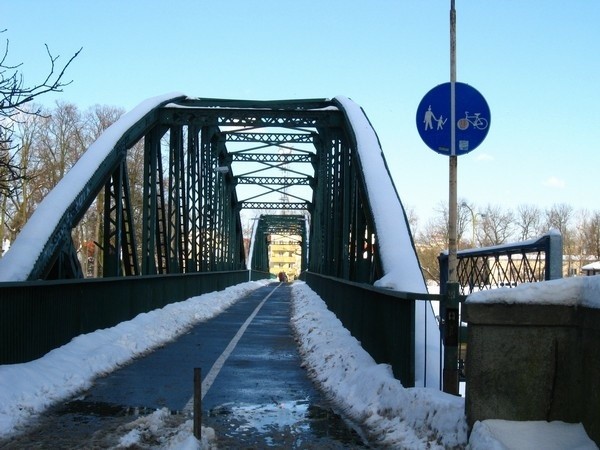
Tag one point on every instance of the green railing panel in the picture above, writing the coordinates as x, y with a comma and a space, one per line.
36, 317
382, 320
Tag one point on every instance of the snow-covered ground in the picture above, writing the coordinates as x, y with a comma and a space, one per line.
576, 291
365, 392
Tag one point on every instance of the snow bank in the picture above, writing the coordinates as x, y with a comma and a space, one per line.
17, 263
495, 434
402, 270
367, 393
577, 291
27, 389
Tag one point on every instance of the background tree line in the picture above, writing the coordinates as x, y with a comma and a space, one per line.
489, 225
45, 144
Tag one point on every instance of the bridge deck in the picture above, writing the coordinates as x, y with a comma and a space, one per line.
260, 396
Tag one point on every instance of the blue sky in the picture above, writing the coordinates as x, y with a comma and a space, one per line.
536, 62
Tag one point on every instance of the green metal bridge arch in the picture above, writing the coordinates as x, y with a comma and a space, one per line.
205, 161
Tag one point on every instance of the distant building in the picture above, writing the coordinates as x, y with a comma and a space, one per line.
591, 269
285, 255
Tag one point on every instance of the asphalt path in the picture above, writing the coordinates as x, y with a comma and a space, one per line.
255, 393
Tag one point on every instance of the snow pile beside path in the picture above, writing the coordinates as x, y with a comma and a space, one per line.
367, 393
29, 388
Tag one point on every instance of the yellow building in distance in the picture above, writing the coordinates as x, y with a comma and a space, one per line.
285, 255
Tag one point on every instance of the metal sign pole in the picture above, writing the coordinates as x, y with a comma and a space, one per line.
450, 375
458, 138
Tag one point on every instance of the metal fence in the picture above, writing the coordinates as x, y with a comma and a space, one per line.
36, 317
507, 266
382, 320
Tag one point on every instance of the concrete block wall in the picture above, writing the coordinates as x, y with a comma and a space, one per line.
533, 362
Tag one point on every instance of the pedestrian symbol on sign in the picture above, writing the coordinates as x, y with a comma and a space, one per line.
430, 116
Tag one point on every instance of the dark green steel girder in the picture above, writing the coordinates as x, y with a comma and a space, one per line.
270, 138
119, 242
279, 181
189, 220
296, 206
272, 157
283, 225
256, 118
226, 103
43, 266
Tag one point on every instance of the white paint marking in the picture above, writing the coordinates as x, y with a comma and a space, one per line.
220, 362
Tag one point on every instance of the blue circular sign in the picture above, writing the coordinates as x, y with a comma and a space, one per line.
472, 118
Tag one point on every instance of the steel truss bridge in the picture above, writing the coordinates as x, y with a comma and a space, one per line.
204, 161
309, 168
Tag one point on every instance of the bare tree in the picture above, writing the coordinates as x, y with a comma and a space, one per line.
589, 234
17, 207
559, 217
15, 95
413, 219
496, 226
440, 225
60, 143
528, 221
433, 240
98, 118
429, 244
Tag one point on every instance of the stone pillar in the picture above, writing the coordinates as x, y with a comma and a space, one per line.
533, 362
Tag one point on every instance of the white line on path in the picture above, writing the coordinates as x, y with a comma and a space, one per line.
220, 362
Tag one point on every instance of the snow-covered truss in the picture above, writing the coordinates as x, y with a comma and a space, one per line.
205, 160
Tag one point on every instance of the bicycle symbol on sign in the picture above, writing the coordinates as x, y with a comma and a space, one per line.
478, 122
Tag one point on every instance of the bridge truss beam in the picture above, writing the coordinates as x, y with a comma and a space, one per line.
198, 155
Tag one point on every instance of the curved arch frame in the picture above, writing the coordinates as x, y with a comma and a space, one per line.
349, 236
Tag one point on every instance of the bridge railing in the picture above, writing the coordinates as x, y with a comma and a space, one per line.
500, 266
39, 316
506, 265
382, 320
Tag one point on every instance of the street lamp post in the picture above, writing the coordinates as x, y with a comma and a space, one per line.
473, 221
473, 214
